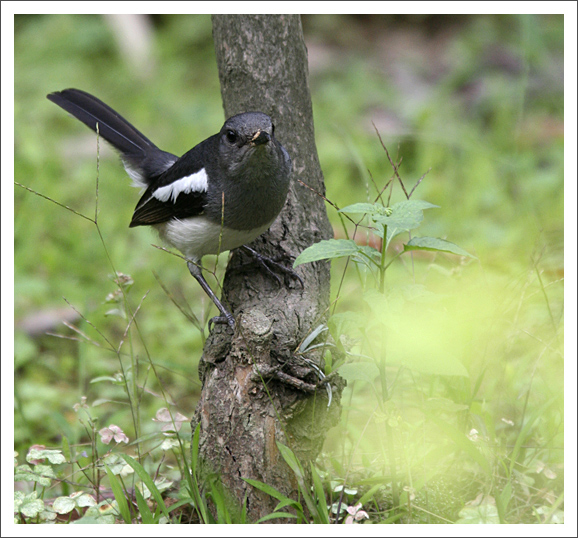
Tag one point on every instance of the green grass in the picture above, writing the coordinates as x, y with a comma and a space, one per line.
467, 401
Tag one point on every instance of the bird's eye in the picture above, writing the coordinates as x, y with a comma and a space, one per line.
231, 136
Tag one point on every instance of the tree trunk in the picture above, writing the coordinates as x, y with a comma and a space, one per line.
254, 384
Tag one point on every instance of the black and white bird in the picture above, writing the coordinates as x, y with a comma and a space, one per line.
221, 194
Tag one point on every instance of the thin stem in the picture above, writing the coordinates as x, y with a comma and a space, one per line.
383, 267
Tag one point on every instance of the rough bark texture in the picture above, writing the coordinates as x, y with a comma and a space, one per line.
262, 63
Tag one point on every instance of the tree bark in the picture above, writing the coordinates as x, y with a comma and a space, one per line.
248, 402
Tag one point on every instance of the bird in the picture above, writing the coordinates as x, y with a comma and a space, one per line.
223, 193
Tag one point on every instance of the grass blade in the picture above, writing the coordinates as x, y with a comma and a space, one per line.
119, 495
148, 481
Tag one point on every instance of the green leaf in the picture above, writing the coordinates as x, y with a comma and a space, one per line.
44, 471
322, 512
526, 431
502, 500
218, 496
53, 456
115, 463
143, 508
368, 496
550, 515
148, 481
435, 245
391, 519
95, 519
66, 449
292, 461
369, 209
334, 248
48, 514
82, 499
411, 206
19, 497
199, 502
64, 505
359, 371
270, 490
484, 513
296, 467
119, 495
290, 502
100, 379
312, 336
116, 312
276, 515
401, 217
41, 474
31, 507
405, 216
103, 513
28, 505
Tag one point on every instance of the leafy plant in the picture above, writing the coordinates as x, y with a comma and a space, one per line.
475, 347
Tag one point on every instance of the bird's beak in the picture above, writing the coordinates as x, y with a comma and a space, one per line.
260, 137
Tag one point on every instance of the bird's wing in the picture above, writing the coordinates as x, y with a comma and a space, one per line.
180, 192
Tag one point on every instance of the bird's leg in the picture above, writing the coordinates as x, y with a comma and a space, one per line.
271, 265
225, 316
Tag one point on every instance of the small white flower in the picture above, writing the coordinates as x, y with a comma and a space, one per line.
355, 514
171, 424
473, 435
112, 432
81, 404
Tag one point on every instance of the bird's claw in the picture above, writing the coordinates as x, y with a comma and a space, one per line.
266, 262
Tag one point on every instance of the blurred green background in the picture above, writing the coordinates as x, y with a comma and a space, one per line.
478, 99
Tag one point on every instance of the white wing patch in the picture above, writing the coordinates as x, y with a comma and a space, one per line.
136, 176
196, 182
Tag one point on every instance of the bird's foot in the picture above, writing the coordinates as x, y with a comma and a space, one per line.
272, 266
224, 319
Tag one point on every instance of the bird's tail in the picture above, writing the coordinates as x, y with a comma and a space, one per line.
141, 158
